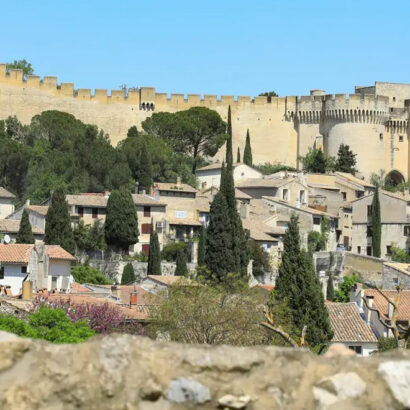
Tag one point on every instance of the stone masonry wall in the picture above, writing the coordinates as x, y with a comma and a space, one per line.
127, 372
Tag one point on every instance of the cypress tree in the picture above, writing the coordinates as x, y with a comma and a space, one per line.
330, 291
229, 152
238, 156
128, 275
218, 257
298, 283
145, 174
247, 154
202, 246
154, 256
376, 224
121, 223
25, 233
181, 268
58, 224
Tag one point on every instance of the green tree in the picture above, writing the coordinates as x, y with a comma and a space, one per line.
121, 223
229, 150
25, 233
58, 224
330, 291
269, 94
399, 255
346, 160
268, 168
202, 246
181, 266
154, 256
385, 344
315, 161
342, 293
376, 225
145, 170
247, 154
297, 282
128, 275
260, 257
315, 242
20, 65
87, 274
170, 250
132, 132
238, 156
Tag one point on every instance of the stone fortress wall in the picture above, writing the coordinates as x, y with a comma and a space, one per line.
374, 120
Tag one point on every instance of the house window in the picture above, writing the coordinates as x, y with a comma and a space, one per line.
95, 213
396, 280
369, 231
145, 228
356, 349
54, 282
316, 220
391, 110
147, 211
359, 194
285, 194
80, 211
369, 210
369, 251
24, 269
400, 138
2, 272
343, 196
388, 249
359, 250
145, 249
394, 99
381, 136
406, 230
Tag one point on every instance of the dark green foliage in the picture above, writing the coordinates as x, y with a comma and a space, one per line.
299, 285
20, 65
315, 161
128, 275
260, 258
346, 160
121, 223
202, 246
170, 251
58, 224
181, 266
145, 170
48, 324
25, 233
269, 94
238, 155
315, 241
132, 132
399, 255
376, 225
330, 291
87, 274
247, 154
268, 169
89, 238
229, 151
342, 293
385, 344
154, 256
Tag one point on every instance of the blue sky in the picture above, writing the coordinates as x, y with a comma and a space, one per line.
213, 46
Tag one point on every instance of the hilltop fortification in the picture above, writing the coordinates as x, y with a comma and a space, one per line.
374, 120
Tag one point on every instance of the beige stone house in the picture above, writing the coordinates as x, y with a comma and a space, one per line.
6, 203
394, 221
11, 227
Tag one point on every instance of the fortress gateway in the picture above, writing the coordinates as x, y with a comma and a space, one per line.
374, 120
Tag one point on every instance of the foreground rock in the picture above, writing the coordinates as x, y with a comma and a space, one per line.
126, 372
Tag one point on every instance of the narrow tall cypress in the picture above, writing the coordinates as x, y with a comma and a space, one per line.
181, 268
128, 275
238, 156
330, 290
229, 151
154, 255
58, 224
25, 233
202, 246
376, 225
145, 174
247, 153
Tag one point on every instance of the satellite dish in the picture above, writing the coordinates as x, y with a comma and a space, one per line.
6, 239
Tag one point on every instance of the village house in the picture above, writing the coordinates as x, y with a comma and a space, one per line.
395, 223
47, 266
6, 203
11, 227
210, 175
350, 329
36, 215
394, 274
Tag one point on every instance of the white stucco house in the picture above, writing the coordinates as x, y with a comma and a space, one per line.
47, 266
6, 203
210, 175
350, 328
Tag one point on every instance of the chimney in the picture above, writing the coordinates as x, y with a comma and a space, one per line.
203, 185
136, 187
244, 210
115, 291
134, 298
178, 181
27, 204
356, 293
391, 310
27, 293
369, 302
143, 192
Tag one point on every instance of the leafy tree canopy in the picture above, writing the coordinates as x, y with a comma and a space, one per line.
346, 160
87, 274
316, 161
20, 65
342, 293
268, 168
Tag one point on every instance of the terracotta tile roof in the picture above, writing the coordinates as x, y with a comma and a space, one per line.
217, 165
141, 199
260, 231
57, 252
264, 182
348, 325
88, 199
15, 253
380, 303
173, 186
5, 194
78, 288
168, 280
40, 209
13, 226
241, 195
352, 178
183, 221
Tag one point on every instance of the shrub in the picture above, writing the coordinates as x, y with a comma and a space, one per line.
387, 343
170, 251
342, 294
17, 326
87, 274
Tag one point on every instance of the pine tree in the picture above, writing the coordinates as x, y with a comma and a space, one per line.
247, 154
58, 224
25, 233
298, 284
121, 223
181, 268
154, 256
132, 132
128, 275
376, 225
238, 156
346, 160
330, 291
145, 173
229, 151
202, 246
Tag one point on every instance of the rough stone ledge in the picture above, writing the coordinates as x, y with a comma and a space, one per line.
129, 372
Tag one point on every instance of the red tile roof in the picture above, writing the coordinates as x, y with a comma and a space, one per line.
5, 194
381, 304
57, 252
40, 209
77, 288
348, 325
15, 253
